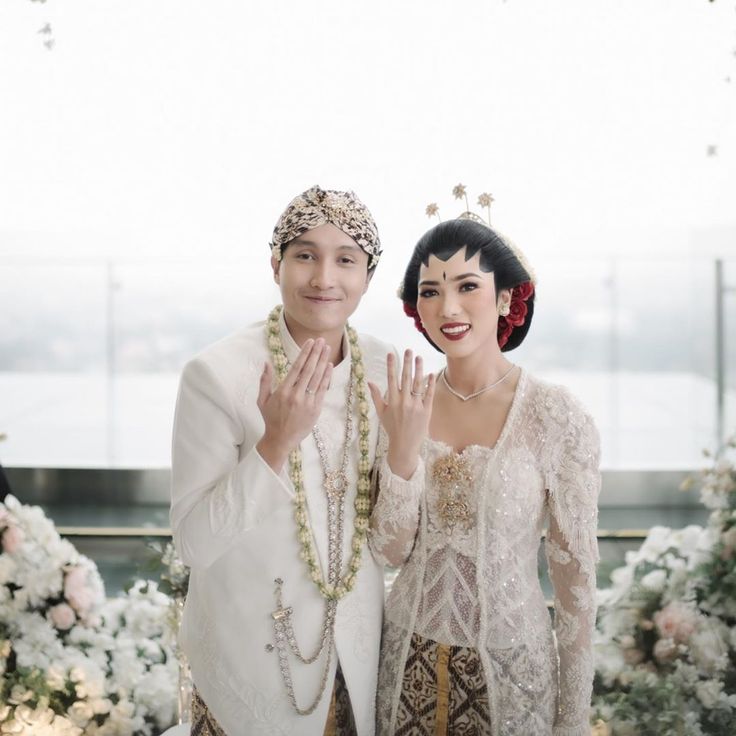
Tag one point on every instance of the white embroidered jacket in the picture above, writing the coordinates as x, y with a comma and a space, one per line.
233, 524
477, 584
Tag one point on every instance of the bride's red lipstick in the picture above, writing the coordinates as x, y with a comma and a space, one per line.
459, 334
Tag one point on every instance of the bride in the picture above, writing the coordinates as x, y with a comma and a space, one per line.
479, 460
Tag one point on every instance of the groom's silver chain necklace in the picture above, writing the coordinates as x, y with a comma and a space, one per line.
335, 484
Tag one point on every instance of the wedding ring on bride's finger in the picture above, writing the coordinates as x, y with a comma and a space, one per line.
308, 390
417, 393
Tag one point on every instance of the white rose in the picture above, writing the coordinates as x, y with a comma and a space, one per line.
665, 650
655, 580
622, 577
56, 677
100, 705
8, 567
658, 541
709, 647
674, 563
80, 713
19, 694
686, 540
124, 720
709, 692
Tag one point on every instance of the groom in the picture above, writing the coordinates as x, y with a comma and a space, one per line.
274, 439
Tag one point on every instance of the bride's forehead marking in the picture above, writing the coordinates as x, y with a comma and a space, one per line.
444, 276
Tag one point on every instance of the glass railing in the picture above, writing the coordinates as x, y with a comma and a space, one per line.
90, 351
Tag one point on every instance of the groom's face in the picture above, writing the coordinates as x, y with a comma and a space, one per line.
322, 275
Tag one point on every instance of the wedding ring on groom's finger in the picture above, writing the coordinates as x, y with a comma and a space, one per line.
417, 393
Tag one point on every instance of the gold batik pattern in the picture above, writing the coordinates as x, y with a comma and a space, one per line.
443, 692
203, 722
340, 721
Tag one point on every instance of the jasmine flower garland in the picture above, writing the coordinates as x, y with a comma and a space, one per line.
362, 500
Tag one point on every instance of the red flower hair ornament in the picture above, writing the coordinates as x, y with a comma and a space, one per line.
517, 312
410, 311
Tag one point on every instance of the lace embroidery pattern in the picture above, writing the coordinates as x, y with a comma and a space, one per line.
545, 473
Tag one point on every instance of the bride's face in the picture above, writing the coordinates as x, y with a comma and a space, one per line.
457, 304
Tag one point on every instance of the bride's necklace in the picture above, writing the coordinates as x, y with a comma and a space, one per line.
476, 393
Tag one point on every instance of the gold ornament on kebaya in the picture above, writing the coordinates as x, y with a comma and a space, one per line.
452, 476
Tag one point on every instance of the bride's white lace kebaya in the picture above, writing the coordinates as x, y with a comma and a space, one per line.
470, 574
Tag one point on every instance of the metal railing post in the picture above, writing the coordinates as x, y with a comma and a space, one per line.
720, 356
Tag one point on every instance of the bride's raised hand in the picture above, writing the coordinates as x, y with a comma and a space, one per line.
406, 411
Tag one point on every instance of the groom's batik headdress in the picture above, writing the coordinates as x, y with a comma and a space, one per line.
317, 207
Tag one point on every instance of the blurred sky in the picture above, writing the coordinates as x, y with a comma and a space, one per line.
170, 130
182, 128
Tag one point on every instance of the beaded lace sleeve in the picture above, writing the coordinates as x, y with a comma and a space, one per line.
573, 484
395, 517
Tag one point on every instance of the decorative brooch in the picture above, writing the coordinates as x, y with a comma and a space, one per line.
451, 474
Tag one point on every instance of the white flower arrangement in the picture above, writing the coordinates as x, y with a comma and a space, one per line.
73, 662
666, 631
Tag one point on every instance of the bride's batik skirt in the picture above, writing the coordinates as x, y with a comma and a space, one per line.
443, 691
340, 720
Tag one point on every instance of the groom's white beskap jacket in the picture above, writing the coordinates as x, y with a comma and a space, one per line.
233, 523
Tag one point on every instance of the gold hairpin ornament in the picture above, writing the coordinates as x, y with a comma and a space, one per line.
459, 191
486, 199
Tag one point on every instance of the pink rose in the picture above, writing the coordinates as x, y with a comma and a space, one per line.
77, 591
633, 656
676, 621
13, 537
62, 616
